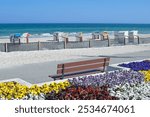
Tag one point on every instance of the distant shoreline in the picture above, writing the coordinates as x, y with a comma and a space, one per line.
49, 37
6, 29
73, 23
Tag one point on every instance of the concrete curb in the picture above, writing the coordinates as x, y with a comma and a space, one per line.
18, 80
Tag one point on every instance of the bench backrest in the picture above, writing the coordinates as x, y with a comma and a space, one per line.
82, 66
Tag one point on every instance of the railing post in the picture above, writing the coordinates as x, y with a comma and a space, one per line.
65, 43
6, 47
27, 40
19, 41
81, 39
89, 43
138, 39
39, 45
124, 40
108, 42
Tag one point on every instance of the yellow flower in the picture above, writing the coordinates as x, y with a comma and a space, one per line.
10, 90
67, 83
147, 75
9, 97
14, 90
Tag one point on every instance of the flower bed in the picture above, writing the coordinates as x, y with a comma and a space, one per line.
82, 93
14, 90
140, 91
136, 91
123, 84
111, 79
137, 66
143, 67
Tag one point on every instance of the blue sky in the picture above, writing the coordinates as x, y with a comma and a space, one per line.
74, 11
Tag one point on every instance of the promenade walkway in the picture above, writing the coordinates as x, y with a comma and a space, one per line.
38, 72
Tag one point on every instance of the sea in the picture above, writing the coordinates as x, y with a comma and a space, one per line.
47, 29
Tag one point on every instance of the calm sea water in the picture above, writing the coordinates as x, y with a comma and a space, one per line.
38, 29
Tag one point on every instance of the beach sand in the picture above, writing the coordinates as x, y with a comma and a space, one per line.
45, 39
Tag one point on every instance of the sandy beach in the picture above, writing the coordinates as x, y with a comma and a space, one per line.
45, 39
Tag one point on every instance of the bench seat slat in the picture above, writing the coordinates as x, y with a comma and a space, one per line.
82, 68
71, 64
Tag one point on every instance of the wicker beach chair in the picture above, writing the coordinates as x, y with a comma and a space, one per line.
105, 36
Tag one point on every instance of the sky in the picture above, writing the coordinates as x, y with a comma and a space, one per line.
75, 11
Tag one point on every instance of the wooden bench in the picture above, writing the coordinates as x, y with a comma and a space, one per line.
80, 68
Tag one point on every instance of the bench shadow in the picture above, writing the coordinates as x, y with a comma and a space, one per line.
110, 56
110, 68
117, 56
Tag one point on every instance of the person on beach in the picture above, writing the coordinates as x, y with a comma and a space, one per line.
27, 38
26, 35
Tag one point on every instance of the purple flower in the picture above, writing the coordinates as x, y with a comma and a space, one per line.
137, 66
111, 79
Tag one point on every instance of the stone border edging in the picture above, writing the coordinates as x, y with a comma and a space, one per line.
18, 80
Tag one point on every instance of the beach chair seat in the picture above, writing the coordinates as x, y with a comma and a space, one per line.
79, 37
95, 35
133, 35
104, 36
121, 36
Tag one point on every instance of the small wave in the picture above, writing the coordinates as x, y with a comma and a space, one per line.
74, 33
41, 35
4, 37
46, 35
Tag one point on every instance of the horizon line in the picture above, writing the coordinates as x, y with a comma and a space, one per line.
66, 23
